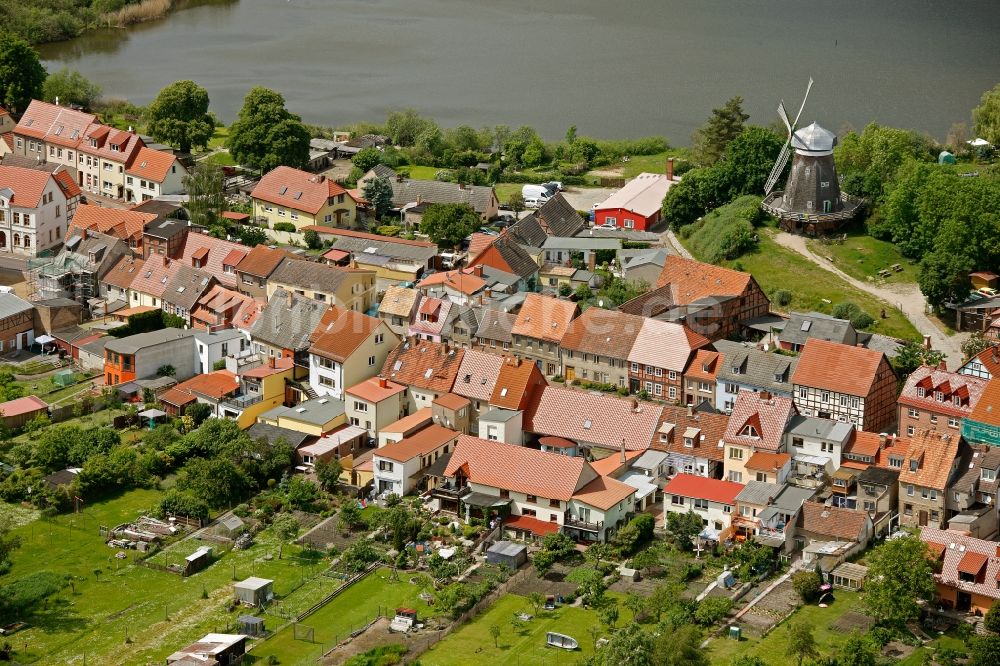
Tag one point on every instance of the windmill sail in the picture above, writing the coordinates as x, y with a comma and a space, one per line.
779, 166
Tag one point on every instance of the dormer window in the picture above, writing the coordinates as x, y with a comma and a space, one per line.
736, 369
114, 147
914, 464
895, 461
939, 396
689, 442
749, 431
957, 400
921, 392
988, 474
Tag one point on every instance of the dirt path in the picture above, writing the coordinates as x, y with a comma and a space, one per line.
670, 240
905, 296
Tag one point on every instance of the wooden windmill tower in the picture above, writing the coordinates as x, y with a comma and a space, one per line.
811, 202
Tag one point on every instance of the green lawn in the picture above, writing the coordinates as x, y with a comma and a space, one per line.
772, 647
222, 159
354, 608
917, 658
775, 267
473, 643
219, 137
94, 618
862, 257
51, 392
418, 172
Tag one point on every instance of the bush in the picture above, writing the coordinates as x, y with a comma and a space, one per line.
845, 310
711, 610
726, 233
783, 297
219, 365
806, 584
312, 240
284, 226
388, 230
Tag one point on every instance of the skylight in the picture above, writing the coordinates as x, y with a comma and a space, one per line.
587, 424
806, 325
428, 373
143, 165
298, 195
180, 289
284, 188
503, 392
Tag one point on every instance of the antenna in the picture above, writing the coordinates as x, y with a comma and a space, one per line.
779, 164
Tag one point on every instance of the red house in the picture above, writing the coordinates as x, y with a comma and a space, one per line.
635, 206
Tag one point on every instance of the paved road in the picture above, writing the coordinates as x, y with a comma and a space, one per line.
905, 295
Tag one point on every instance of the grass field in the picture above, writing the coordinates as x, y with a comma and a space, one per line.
219, 137
355, 607
862, 256
158, 611
772, 647
417, 172
222, 159
473, 642
775, 267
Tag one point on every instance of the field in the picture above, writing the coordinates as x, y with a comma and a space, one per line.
775, 267
125, 613
526, 646
417, 172
219, 137
862, 257
354, 608
771, 647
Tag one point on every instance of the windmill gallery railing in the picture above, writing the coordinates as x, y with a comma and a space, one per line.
851, 204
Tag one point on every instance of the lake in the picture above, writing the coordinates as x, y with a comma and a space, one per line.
614, 69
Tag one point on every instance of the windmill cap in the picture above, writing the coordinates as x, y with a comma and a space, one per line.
814, 139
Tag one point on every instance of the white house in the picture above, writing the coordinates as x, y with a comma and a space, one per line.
374, 403
36, 208
347, 347
153, 173
214, 346
502, 425
817, 443
397, 464
712, 499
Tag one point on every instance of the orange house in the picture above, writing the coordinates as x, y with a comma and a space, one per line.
118, 368
969, 570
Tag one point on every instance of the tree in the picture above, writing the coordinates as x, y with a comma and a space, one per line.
590, 584
899, 575
166, 370
724, 125
565, 289
986, 116
944, 277
285, 527
806, 584
748, 660
9, 542
911, 356
179, 116
683, 528
350, 516
205, 186
378, 193
328, 473
302, 493
21, 73
680, 647
867, 163
584, 292
608, 614
448, 224
984, 650
537, 600
516, 203
69, 86
404, 127
975, 345
858, 650
250, 236
217, 481
366, 159
629, 646
711, 610
597, 552
801, 643
495, 633
312, 239
266, 135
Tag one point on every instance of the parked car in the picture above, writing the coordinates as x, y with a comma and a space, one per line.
536, 192
606, 225
534, 202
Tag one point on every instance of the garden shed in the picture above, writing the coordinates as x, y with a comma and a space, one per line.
250, 625
508, 554
197, 560
254, 591
849, 576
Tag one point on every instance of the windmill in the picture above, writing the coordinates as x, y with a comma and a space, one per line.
782, 160
811, 201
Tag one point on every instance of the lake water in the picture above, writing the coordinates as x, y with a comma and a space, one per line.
613, 68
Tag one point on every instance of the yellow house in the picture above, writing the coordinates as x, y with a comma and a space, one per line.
301, 198
312, 417
261, 389
348, 288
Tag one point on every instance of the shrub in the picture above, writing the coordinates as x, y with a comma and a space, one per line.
284, 226
806, 584
862, 320
388, 230
783, 297
726, 233
312, 240
845, 310
711, 610
219, 365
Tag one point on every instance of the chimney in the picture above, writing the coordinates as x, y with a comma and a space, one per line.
690, 410
270, 362
383, 382
166, 261
477, 270
670, 168
592, 262
882, 437
444, 348
927, 342
288, 298
622, 459
489, 293
399, 178
83, 233
765, 395
943, 366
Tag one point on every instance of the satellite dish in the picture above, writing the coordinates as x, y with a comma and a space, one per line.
765, 346
779, 164
600, 303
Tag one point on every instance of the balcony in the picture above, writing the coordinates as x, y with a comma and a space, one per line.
576, 523
241, 402
450, 490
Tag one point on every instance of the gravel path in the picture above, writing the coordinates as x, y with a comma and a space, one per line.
906, 296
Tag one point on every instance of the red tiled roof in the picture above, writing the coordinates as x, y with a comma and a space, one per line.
26, 184
414, 421
767, 416
373, 391
705, 365
451, 401
822, 365
156, 272
239, 217
604, 492
177, 397
296, 189
19, 406
699, 487
480, 242
55, 124
665, 344
124, 224
770, 462
234, 257
464, 281
935, 453
603, 332
607, 465
424, 364
972, 563
863, 443
214, 385
987, 410
341, 332
514, 385
990, 359
830, 521
420, 443
517, 468
218, 250
966, 388
597, 419
151, 164
711, 429
66, 183
960, 552
530, 524
261, 261
266, 370
477, 375
122, 274
544, 318
691, 280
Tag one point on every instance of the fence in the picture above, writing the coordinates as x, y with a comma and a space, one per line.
612, 182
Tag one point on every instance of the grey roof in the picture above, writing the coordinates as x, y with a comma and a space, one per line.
96, 347
55, 302
383, 171
468, 315
554, 218
435, 191
879, 476
758, 492
273, 433
314, 412
635, 258
883, 343
515, 256
495, 277
437, 467
133, 343
325, 144
309, 274
804, 325
760, 369
186, 287
499, 415
508, 548
813, 138
649, 460
165, 228
155, 383
11, 305
288, 320
528, 230
791, 498
496, 325
812, 426
222, 335
624, 234
366, 248
581, 243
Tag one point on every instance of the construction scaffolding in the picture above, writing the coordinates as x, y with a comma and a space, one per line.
74, 272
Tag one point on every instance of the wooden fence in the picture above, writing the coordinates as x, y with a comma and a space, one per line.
612, 182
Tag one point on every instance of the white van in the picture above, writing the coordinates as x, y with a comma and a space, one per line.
534, 202
536, 192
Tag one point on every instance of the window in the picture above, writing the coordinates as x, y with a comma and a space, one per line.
554, 503
504, 494
360, 406
658, 390
907, 509
672, 391
735, 453
762, 476
909, 490
825, 396
677, 500
953, 422
909, 431
532, 499
385, 465
58, 214
379, 338
797, 441
635, 367
629, 224
699, 504
912, 413
933, 418
988, 474
921, 392
672, 374
803, 392
727, 509
648, 387
371, 360
749, 431
732, 388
